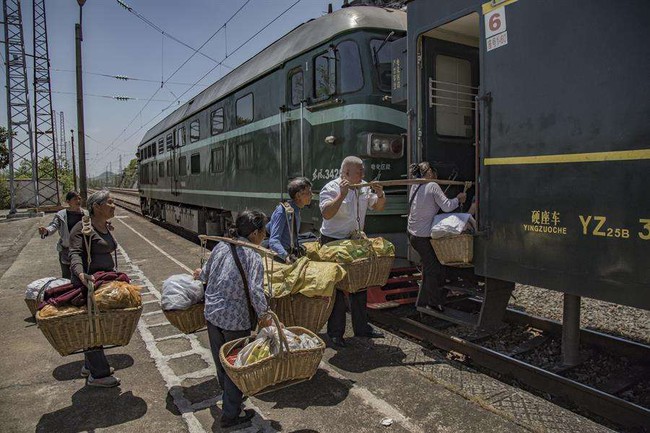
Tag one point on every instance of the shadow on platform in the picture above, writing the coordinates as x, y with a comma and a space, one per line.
72, 370
94, 408
321, 390
362, 357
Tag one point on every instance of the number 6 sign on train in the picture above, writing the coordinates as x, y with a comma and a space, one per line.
495, 29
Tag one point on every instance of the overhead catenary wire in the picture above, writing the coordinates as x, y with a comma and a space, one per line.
165, 33
116, 97
176, 71
112, 146
210, 71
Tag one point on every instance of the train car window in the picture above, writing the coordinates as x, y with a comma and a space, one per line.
324, 76
297, 85
180, 137
383, 63
161, 169
153, 149
195, 164
216, 121
245, 160
217, 160
350, 75
182, 166
244, 109
195, 131
453, 97
169, 167
161, 146
169, 140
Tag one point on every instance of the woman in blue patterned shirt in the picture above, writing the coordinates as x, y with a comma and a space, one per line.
227, 304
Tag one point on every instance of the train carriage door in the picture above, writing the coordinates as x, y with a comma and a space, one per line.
173, 175
449, 79
293, 122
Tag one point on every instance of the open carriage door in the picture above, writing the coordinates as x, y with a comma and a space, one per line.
447, 135
293, 121
174, 162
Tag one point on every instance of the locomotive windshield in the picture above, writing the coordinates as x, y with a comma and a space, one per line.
338, 70
382, 61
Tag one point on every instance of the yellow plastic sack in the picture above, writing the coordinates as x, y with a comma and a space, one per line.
117, 295
348, 250
51, 311
305, 276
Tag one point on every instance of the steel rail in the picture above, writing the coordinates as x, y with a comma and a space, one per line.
595, 401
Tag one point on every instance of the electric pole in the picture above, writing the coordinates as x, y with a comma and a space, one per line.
81, 142
74, 165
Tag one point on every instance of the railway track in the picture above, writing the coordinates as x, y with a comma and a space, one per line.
515, 359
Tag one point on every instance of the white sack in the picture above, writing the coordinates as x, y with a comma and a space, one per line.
35, 286
449, 224
180, 292
269, 335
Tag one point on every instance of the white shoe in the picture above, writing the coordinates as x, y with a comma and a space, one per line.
86, 372
103, 382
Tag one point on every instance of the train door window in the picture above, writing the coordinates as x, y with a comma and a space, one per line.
161, 146
324, 75
297, 86
180, 136
161, 169
244, 110
170, 141
182, 166
350, 74
195, 164
245, 159
216, 121
217, 160
195, 131
453, 96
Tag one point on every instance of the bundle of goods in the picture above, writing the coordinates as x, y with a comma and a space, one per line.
367, 262
452, 240
75, 318
272, 359
182, 302
301, 293
35, 287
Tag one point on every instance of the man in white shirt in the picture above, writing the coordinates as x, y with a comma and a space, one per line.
344, 213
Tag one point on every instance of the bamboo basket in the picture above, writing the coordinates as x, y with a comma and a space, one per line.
300, 310
363, 273
286, 368
457, 250
31, 304
72, 333
189, 320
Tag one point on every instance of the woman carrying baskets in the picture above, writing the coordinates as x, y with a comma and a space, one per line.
425, 200
234, 297
84, 263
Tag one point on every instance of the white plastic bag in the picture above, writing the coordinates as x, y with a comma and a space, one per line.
180, 292
35, 286
267, 343
449, 224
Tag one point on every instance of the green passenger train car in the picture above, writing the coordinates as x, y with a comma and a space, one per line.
297, 108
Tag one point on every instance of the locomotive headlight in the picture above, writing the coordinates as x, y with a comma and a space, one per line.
385, 146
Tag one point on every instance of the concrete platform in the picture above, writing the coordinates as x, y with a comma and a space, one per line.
168, 378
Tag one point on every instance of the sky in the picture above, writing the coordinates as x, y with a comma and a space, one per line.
117, 42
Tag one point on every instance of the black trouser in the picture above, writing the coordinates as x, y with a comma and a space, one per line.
232, 396
358, 311
65, 267
432, 291
95, 361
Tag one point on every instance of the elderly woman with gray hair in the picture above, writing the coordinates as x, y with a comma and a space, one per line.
102, 247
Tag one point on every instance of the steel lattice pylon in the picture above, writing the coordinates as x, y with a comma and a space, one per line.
21, 149
44, 145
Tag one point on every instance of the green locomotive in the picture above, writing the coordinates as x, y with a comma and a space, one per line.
297, 108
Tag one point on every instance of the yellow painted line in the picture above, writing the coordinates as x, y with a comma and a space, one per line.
622, 155
492, 5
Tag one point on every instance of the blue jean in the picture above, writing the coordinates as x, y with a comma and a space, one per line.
232, 396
